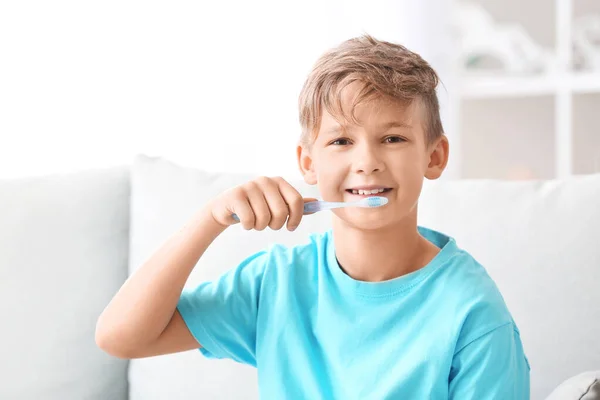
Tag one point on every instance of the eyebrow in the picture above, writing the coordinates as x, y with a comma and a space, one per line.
395, 124
385, 126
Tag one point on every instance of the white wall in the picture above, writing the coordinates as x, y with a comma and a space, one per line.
212, 85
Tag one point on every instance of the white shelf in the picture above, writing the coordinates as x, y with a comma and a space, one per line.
485, 87
585, 82
489, 87
552, 115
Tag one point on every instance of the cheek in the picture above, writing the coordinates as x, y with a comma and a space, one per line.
330, 180
330, 171
410, 175
411, 163
413, 180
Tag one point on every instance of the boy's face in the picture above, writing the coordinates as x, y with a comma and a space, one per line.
386, 150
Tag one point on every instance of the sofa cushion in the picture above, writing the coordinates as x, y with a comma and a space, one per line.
164, 197
64, 249
539, 241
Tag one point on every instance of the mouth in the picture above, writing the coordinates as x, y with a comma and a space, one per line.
369, 192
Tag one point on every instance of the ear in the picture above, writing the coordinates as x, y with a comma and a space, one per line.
306, 165
438, 158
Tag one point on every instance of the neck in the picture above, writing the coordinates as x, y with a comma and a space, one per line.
384, 253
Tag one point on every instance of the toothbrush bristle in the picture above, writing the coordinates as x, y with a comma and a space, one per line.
375, 201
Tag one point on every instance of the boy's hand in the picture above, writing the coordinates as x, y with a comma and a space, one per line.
260, 203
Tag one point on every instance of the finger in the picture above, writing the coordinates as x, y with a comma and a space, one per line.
295, 203
256, 198
244, 212
277, 205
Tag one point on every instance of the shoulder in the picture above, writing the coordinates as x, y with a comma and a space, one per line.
274, 269
295, 249
483, 308
477, 304
462, 276
289, 259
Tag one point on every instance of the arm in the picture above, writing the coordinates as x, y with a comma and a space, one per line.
491, 367
141, 320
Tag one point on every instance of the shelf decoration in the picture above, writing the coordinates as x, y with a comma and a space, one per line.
490, 47
586, 43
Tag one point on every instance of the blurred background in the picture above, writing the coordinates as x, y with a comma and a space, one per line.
214, 84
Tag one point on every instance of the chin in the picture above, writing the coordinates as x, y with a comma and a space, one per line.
362, 220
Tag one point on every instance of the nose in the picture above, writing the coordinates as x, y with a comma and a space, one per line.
367, 159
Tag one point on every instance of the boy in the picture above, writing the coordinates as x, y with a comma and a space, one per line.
376, 308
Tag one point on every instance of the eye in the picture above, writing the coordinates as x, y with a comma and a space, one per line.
340, 142
394, 139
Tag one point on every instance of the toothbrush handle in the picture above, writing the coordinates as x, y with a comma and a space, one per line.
309, 207
315, 206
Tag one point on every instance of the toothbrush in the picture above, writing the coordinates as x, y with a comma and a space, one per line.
368, 202
314, 206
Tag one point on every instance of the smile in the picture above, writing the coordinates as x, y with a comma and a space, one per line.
368, 192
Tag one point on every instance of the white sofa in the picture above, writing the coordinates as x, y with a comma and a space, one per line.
68, 241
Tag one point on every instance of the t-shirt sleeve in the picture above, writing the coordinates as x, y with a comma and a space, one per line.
222, 314
493, 366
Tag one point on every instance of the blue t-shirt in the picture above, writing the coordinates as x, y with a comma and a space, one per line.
313, 332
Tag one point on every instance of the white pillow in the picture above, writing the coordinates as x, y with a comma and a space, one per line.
585, 386
63, 255
539, 241
164, 197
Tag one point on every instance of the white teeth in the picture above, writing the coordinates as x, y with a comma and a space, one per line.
360, 191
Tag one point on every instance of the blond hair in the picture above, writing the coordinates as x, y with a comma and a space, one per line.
384, 69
